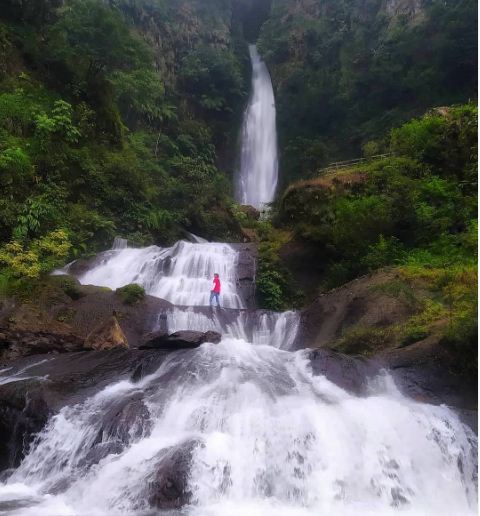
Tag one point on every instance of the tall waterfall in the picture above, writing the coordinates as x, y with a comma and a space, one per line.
244, 426
259, 162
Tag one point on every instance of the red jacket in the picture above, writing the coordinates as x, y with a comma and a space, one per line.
216, 285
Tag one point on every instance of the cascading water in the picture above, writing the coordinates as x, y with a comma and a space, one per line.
181, 274
262, 437
258, 160
245, 425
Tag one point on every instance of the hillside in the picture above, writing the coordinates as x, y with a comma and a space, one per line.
346, 71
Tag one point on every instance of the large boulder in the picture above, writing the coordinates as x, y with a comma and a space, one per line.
37, 388
168, 486
349, 373
179, 339
246, 271
107, 335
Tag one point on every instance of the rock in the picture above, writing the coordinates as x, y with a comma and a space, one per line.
349, 373
179, 339
17, 343
23, 412
246, 271
106, 336
360, 302
126, 419
42, 387
168, 487
250, 211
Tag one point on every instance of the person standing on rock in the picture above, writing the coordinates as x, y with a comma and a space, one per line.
215, 292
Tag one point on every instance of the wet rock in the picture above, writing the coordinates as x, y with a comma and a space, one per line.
23, 413
168, 486
125, 420
246, 270
179, 339
39, 387
106, 336
349, 373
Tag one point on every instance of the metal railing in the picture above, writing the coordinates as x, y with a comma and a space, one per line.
336, 165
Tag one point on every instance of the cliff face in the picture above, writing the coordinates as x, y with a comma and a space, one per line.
174, 28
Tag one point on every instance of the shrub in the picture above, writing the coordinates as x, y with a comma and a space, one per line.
131, 294
40, 256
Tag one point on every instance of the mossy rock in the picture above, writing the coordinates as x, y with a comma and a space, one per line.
362, 340
131, 294
68, 284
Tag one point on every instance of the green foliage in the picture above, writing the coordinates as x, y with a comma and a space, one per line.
414, 208
93, 39
269, 288
101, 137
40, 256
346, 72
68, 284
131, 294
276, 289
361, 340
213, 77
384, 252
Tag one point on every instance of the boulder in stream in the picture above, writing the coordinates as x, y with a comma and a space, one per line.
179, 339
168, 487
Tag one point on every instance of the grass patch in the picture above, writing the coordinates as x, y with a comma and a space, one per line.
362, 340
398, 288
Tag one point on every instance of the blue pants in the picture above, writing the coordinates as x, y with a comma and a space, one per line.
214, 295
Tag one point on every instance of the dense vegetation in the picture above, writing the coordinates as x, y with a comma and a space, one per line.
121, 118
346, 71
112, 126
414, 213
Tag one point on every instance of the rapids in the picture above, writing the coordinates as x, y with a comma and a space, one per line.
258, 432
268, 438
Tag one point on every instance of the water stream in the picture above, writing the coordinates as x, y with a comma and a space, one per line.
247, 424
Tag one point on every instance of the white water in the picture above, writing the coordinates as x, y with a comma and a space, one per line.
181, 274
257, 327
258, 160
272, 440
269, 438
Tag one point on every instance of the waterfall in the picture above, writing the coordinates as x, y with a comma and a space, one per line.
242, 427
258, 434
257, 327
258, 160
181, 274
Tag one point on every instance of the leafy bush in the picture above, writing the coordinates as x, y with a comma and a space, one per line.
40, 256
131, 294
68, 284
410, 209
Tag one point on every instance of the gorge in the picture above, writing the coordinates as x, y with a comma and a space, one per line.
338, 376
